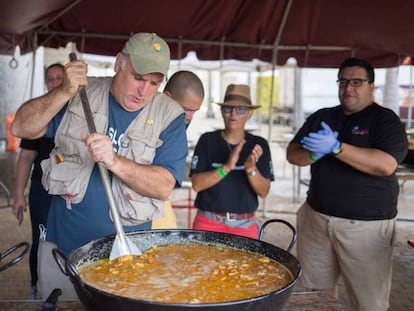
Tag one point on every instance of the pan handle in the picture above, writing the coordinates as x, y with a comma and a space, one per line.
66, 266
69, 269
60, 259
12, 262
294, 235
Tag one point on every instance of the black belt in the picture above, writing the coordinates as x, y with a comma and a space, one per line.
229, 216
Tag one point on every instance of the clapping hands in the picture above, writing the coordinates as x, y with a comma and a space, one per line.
322, 142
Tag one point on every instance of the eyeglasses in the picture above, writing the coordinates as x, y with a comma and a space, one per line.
353, 82
238, 109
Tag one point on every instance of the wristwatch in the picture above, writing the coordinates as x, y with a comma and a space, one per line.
252, 173
337, 150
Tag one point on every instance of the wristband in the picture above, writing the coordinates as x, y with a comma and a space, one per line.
337, 149
220, 172
310, 157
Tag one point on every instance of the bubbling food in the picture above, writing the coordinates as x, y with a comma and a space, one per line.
188, 274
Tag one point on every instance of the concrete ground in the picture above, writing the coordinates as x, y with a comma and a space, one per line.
282, 202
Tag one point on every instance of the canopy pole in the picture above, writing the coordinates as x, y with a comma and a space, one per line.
306, 56
274, 64
270, 122
180, 51
410, 98
82, 47
223, 39
33, 63
209, 43
210, 112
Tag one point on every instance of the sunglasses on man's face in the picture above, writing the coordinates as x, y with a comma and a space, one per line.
238, 109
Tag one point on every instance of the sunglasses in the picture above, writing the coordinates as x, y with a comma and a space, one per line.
238, 109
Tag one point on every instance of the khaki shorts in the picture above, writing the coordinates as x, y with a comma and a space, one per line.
359, 251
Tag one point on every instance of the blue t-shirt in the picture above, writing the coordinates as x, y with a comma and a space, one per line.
89, 219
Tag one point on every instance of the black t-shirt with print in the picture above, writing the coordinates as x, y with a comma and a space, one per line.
233, 193
339, 190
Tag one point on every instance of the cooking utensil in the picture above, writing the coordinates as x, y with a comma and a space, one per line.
15, 260
95, 299
122, 245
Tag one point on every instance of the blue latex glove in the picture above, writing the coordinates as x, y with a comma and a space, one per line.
314, 156
322, 142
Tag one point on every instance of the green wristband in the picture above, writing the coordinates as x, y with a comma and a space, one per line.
310, 157
220, 172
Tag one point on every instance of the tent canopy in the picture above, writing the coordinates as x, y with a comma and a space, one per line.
318, 33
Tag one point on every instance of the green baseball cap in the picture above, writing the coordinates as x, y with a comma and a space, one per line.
148, 52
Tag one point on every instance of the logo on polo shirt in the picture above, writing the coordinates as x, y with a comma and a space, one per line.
358, 131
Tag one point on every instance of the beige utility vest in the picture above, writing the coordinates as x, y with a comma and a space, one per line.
69, 167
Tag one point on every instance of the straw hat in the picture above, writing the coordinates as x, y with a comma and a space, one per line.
238, 95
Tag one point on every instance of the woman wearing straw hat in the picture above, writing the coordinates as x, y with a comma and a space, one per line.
230, 168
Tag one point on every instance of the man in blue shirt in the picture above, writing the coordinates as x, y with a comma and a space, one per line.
140, 139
